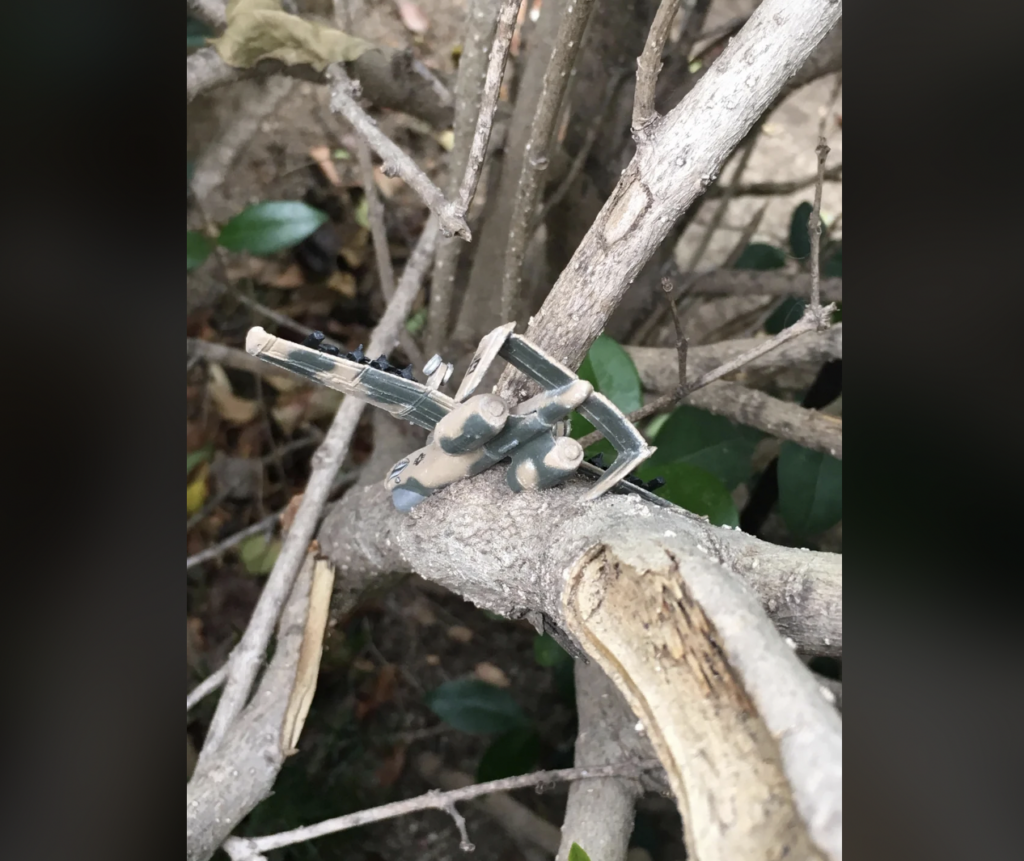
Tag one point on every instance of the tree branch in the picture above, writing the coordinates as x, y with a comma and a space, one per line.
658, 371
670, 169
648, 65
396, 162
599, 815
750, 282
477, 90
248, 654
210, 12
241, 849
770, 189
673, 589
536, 153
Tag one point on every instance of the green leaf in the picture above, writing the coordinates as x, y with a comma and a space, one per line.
832, 260
196, 32
271, 226
611, 371
259, 553
195, 458
341, 155
791, 310
696, 490
576, 853
472, 705
199, 247
414, 325
514, 752
547, 652
762, 257
799, 232
713, 443
362, 213
810, 489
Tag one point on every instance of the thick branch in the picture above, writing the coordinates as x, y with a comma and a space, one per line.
674, 165
677, 630
659, 372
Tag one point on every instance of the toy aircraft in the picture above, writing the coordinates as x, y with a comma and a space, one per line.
470, 432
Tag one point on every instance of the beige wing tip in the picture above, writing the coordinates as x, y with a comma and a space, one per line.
257, 340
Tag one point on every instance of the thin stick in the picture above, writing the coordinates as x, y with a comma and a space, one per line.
281, 320
222, 547
814, 226
247, 656
648, 65
432, 800
556, 78
682, 345
396, 162
206, 686
769, 189
469, 160
809, 322
581, 157
488, 102
375, 212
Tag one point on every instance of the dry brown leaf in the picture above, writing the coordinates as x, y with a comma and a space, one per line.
343, 283
322, 156
284, 384
230, 407
260, 29
491, 674
388, 185
290, 510
382, 692
460, 633
391, 768
432, 660
309, 653
412, 16
364, 665
446, 139
287, 278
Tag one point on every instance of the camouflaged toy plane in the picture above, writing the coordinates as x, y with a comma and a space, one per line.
470, 433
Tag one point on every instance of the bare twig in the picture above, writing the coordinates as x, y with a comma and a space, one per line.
480, 98
232, 357
212, 12
682, 345
668, 173
248, 654
488, 103
396, 162
375, 211
206, 686
648, 65
814, 226
556, 78
811, 321
432, 800
280, 319
221, 547
522, 824
770, 189
750, 282
581, 157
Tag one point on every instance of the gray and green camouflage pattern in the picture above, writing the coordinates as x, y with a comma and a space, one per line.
471, 433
